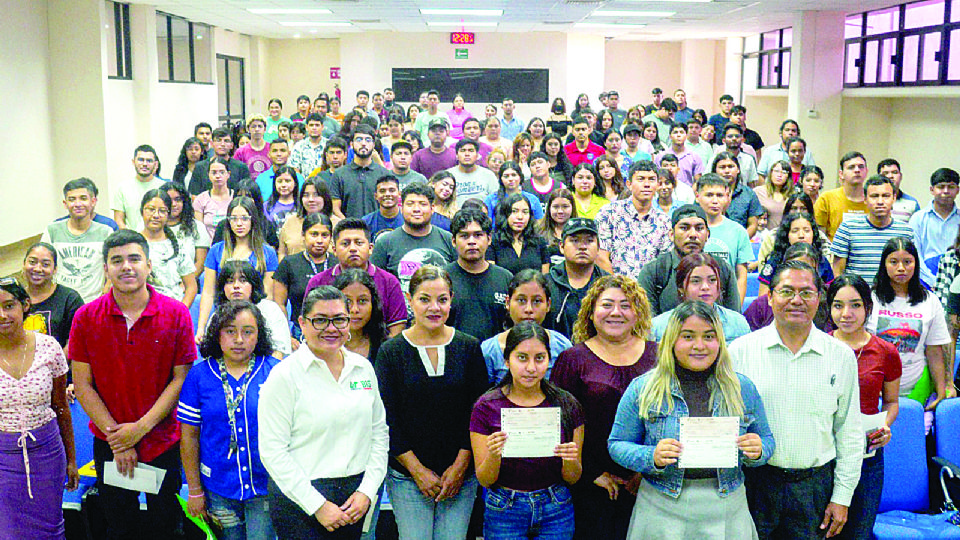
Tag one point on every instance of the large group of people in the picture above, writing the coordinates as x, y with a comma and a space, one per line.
383, 296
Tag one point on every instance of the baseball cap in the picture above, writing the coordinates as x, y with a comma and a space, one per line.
578, 225
631, 127
437, 122
685, 211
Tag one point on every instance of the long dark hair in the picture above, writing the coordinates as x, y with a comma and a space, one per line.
275, 195
804, 199
616, 183
523, 277
375, 329
657, 145
782, 242
322, 190
858, 283
563, 166
229, 271
182, 166
556, 396
502, 233
881, 283
511, 166
257, 242
161, 193
187, 221
225, 314
597, 181
723, 156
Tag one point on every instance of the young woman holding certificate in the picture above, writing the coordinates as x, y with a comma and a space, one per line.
526, 495
694, 377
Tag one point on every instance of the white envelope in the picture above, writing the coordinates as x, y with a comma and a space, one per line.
146, 478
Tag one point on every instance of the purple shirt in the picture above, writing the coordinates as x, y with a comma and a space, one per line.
598, 387
388, 287
427, 163
256, 161
690, 165
456, 122
522, 474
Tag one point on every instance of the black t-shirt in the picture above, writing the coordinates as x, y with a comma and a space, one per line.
54, 316
479, 300
295, 272
752, 138
533, 255
269, 233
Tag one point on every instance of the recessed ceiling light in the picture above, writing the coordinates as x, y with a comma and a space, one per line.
296, 36
466, 12
324, 23
610, 26
627, 13
290, 11
462, 23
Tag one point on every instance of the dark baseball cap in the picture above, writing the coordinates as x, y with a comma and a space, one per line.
685, 211
630, 127
438, 122
578, 225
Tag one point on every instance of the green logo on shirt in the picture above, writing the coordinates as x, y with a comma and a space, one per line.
361, 385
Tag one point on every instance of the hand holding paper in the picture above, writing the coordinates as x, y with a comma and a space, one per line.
709, 442
146, 478
530, 432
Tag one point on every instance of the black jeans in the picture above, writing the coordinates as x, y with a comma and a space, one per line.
596, 515
290, 522
789, 503
121, 506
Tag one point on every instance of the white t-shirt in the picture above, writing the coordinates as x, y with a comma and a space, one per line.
168, 271
189, 243
910, 329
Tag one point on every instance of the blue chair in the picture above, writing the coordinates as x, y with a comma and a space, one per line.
753, 284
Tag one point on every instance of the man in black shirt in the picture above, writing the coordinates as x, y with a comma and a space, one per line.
353, 186
569, 281
479, 286
200, 179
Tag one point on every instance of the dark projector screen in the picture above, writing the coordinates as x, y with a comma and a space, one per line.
479, 85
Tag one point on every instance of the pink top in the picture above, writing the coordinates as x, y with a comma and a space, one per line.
25, 403
456, 122
213, 211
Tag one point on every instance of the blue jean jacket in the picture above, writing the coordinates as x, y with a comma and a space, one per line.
633, 439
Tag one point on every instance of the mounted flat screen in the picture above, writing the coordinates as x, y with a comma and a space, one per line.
478, 85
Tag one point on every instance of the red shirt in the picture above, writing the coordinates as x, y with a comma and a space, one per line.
131, 369
577, 157
877, 362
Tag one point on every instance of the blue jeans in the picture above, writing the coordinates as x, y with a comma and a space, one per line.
374, 513
419, 518
866, 500
242, 520
546, 514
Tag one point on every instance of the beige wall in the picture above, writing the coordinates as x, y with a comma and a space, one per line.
922, 134
765, 112
633, 68
299, 66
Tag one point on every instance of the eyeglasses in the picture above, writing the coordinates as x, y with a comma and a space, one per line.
321, 323
239, 219
787, 293
159, 211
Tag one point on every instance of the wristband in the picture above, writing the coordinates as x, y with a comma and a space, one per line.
197, 496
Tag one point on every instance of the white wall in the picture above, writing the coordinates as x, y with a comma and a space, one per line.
286, 78
633, 68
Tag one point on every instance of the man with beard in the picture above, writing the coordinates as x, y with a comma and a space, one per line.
479, 286
569, 281
732, 138
126, 201
388, 217
690, 233
402, 251
353, 186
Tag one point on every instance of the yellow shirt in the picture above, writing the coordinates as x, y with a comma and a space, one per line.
590, 210
831, 208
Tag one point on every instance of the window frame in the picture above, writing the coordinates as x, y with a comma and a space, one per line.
778, 54
900, 36
191, 39
122, 51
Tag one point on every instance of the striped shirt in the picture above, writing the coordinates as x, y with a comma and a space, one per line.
861, 243
812, 400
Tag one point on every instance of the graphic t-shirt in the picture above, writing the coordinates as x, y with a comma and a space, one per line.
402, 254
54, 316
169, 269
80, 258
910, 329
257, 161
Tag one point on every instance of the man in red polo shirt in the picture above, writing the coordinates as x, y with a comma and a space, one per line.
582, 149
131, 350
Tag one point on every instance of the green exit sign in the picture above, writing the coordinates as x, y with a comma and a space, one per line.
461, 54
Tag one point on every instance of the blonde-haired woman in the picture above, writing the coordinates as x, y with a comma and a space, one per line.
774, 192
694, 377
612, 349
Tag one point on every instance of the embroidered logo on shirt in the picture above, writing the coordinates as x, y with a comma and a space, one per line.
361, 385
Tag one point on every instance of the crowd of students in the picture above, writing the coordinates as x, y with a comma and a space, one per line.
375, 289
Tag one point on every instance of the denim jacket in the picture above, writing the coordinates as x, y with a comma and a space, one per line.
633, 439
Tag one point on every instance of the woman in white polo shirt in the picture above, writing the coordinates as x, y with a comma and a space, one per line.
323, 430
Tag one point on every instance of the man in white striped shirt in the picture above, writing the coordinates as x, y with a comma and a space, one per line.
809, 385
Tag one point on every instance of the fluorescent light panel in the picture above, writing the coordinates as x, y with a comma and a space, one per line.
626, 13
303, 23
610, 26
290, 11
464, 12
465, 24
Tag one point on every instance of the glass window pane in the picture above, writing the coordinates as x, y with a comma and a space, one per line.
111, 33
785, 70
764, 70
883, 20
788, 37
770, 40
752, 43
920, 14
162, 53
930, 66
749, 79
236, 88
851, 69
854, 26
871, 56
888, 49
953, 66
202, 53
180, 37
774, 69
954, 10
911, 58
222, 86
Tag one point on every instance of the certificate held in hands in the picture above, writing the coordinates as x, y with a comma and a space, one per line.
709, 442
531, 432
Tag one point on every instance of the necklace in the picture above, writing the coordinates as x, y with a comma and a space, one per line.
233, 401
23, 361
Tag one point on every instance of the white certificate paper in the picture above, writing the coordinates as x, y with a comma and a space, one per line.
709, 442
871, 423
531, 432
146, 478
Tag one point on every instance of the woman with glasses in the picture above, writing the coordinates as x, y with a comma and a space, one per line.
430, 376
323, 431
173, 268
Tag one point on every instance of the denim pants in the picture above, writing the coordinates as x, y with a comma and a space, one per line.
241, 520
420, 518
373, 514
546, 514
866, 500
